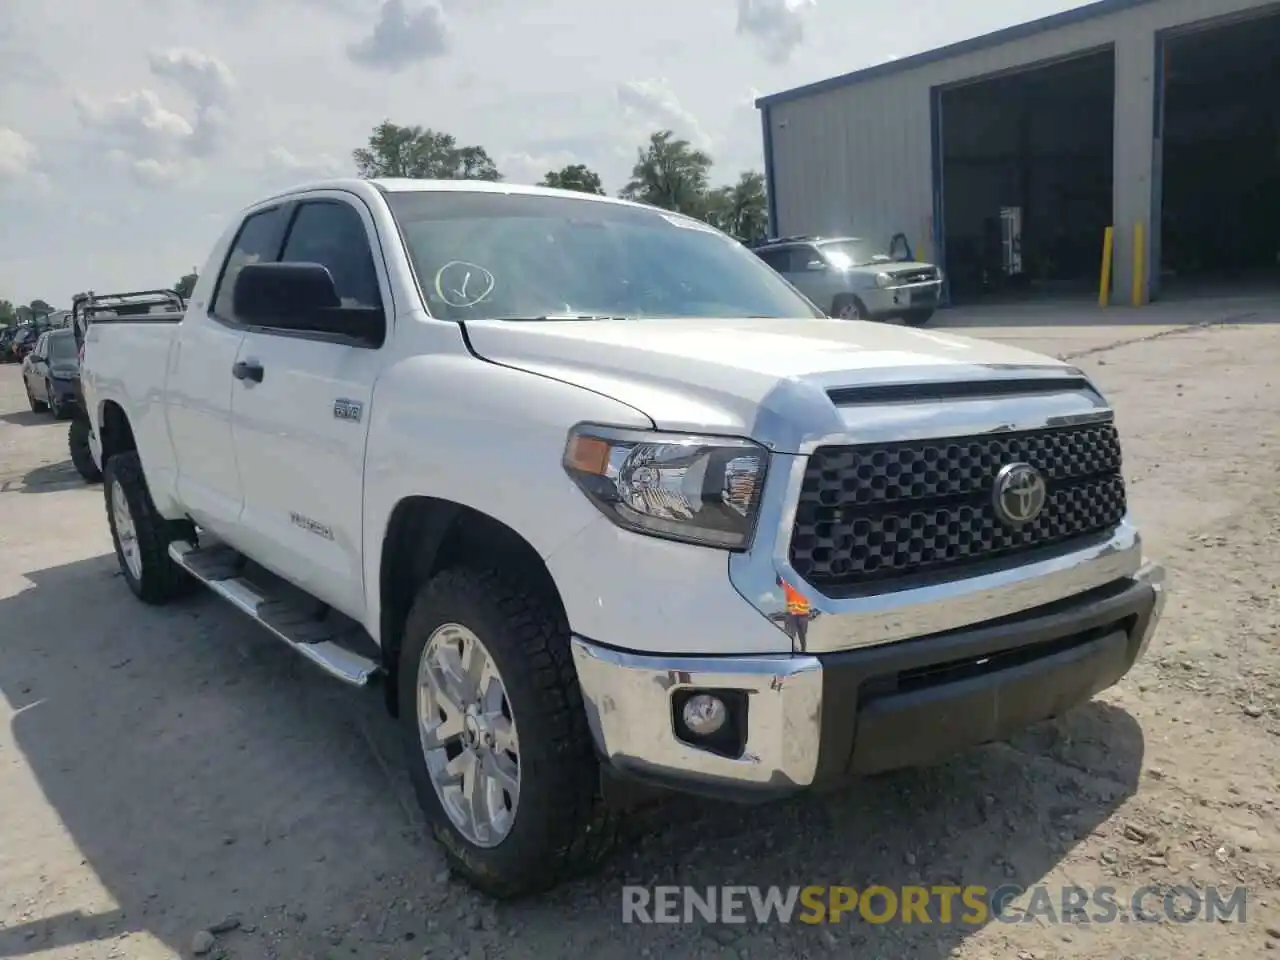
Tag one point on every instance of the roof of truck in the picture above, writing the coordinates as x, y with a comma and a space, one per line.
410, 185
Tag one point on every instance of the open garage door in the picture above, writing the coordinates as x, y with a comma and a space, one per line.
1220, 172
1027, 178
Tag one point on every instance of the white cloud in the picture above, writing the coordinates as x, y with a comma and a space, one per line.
776, 25
210, 85
118, 108
17, 154
319, 165
653, 104
405, 33
157, 145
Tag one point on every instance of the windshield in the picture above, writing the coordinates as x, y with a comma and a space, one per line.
483, 256
62, 347
854, 253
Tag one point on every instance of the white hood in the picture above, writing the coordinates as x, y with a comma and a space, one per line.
716, 375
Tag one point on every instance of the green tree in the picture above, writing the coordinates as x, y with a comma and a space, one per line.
396, 151
8, 314
41, 307
186, 284
740, 209
671, 174
576, 176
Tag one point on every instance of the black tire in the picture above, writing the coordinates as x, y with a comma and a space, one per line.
37, 406
848, 307
81, 454
160, 579
59, 410
562, 827
917, 318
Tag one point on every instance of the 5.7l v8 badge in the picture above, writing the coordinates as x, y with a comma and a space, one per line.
347, 410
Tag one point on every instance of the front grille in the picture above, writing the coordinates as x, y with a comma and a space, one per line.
874, 512
923, 275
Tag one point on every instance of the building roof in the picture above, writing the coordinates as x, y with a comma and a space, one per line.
1100, 8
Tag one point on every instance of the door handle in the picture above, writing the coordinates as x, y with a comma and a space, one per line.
247, 370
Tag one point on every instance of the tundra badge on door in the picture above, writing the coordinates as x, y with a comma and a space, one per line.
347, 410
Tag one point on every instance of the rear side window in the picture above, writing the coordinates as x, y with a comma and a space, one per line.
257, 242
780, 260
331, 233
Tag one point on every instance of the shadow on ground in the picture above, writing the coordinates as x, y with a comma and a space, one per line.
203, 771
27, 418
49, 478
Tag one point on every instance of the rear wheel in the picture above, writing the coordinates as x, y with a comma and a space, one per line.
496, 735
141, 536
37, 406
81, 454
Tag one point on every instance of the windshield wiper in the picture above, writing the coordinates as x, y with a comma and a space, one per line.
562, 316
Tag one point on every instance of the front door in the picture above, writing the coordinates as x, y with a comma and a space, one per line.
300, 421
200, 385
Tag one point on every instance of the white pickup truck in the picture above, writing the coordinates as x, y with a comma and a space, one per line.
602, 499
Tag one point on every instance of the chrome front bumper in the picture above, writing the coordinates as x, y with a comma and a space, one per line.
805, 723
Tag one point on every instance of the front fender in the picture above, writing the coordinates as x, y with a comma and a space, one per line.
486, 436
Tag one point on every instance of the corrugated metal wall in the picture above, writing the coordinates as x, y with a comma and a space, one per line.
859, 160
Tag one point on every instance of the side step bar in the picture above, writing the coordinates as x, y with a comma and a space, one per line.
221, 569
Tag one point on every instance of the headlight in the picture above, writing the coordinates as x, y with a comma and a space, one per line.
697, 489
884, 280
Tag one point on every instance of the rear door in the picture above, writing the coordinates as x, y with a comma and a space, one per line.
200, 384
300, 430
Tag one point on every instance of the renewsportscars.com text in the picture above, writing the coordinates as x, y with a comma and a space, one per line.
972, 905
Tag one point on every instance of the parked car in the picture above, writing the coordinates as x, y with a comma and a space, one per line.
857, 279
50, 371
84, 308
24, 338
599, 496
6, 344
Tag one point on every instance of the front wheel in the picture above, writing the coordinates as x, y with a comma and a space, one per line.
496, 736
37, 406
917, 318
81, 454
56, 406
846, 307
141, 535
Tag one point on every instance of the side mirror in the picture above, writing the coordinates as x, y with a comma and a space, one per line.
299, 296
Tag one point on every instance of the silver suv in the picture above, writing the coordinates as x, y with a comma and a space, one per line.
857, 279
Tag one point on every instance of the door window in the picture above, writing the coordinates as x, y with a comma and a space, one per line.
331, 233
257, 242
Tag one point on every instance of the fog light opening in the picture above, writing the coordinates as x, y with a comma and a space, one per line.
711, 720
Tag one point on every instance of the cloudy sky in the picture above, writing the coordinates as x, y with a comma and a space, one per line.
132, 130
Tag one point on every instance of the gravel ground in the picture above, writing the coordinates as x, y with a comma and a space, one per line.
173, 781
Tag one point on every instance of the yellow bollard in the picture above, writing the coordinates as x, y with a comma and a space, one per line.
1104, 284
1139, 258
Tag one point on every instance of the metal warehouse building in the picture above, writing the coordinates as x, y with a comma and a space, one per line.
1005, 158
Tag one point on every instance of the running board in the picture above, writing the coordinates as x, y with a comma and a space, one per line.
222, 568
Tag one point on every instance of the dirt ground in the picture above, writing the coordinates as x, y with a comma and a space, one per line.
164, 770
